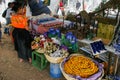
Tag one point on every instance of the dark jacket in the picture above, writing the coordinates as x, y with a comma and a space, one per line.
37, 9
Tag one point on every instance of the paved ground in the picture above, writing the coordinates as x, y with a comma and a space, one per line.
12, 69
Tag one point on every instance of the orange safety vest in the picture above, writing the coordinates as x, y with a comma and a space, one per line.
19, 21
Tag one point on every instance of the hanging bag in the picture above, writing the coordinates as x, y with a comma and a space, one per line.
4, 13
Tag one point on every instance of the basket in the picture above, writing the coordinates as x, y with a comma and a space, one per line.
55, 59
69, 77
100, 78
66, 75
40, 50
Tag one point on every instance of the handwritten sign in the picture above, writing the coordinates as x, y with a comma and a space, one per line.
97, 47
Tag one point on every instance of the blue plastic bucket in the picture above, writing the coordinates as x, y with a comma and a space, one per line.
55, 71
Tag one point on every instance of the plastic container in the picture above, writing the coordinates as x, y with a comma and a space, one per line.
55, 71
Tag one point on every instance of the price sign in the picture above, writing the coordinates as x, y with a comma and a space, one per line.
97, 47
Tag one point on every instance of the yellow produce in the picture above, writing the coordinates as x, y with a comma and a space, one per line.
80, 66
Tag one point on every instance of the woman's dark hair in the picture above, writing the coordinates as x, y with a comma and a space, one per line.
18, 5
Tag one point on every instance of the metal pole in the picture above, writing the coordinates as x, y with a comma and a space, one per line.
109, 63
116, 64
68, 2
83, 5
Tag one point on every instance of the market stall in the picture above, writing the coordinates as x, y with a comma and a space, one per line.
76, 46
57, 48
76, 58
42, 23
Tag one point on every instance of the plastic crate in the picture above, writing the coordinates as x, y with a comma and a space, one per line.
39, 61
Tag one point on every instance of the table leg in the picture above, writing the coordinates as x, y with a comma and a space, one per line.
116, 64
109, 63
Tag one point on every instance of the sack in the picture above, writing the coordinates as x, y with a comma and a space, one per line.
4, 13
59, 12
28, 12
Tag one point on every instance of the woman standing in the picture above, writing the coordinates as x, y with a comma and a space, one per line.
22, 38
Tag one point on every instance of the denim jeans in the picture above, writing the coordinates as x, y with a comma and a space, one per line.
6, 30
8, 21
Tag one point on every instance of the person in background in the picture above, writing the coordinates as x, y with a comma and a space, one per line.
8, 15
61, 3
21, 35
36, 8
78, 4
0, 32
61, 8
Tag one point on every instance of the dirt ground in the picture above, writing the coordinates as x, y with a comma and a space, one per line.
12, 69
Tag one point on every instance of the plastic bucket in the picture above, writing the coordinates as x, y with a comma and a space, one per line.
55, 71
